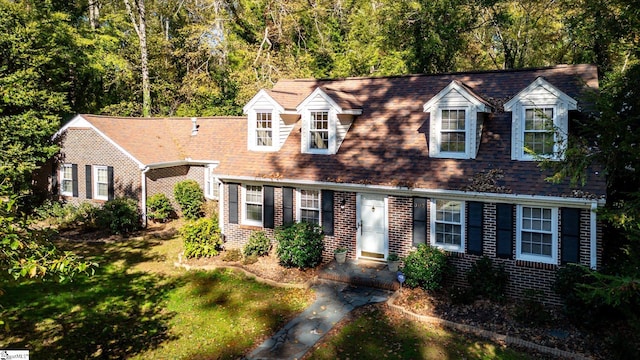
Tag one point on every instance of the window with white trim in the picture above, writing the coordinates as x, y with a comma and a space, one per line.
264, 129
211, 184
537, 234
319, 130
539, 135
66, 180
309, 206
453, 131
252, 205
447, 224
101, 182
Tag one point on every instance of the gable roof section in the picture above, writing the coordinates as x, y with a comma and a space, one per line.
540, 82
464, 91
154, 141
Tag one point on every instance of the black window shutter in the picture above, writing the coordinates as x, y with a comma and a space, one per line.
327, 212
74, 179
111, 186
55, 172
419, 221
504, 229
88, 182
268, 207
474, 228
570, 235
233, 203
287, 205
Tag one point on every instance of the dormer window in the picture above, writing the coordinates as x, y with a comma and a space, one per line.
455, 122
539, 133
264, 129
319, 130
453, 131
327, 115
540, 121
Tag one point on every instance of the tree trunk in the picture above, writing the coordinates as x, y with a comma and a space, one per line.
140, 26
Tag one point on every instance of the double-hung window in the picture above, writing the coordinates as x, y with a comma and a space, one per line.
101, 182
66, 180
453, 131
309, 206
211, 186
319, 130
252, 205
264, 129
537, 236
539, 131
447, 225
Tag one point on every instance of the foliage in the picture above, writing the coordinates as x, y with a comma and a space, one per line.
232, 255
300, 245
190, 197
202, 238
159, 208
119, 216
569, 279
29, 253
425, 267
259, 244
69, 216
393, 257
488, 281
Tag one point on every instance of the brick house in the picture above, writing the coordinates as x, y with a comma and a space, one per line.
385, 164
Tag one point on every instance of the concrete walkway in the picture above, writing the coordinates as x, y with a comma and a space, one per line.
333, 301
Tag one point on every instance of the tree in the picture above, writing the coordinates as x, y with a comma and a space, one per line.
138, 18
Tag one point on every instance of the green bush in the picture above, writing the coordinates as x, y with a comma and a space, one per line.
201, 238
300, 245
119, 216
258, 245
69, 216
569, 284
159, 208
190, 197
487, 281
425, 267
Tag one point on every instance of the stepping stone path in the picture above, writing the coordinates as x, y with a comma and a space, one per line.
334, 300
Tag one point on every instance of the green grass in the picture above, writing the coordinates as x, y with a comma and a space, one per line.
373, 334
139, 306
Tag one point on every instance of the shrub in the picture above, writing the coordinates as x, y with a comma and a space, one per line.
201, 238
190, 197
569, 280
159, 208
69, 216
425, 267
300, 245
232, 255
251, 259
119, 216
258, 245
487, 281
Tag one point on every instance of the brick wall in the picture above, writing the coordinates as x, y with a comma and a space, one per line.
165, 179
86, 147
523, 275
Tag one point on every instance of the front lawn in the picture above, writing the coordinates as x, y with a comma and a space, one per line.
374, 333
138, 305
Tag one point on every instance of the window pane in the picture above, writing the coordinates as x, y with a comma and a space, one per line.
103, 190
448, 226
536, 235
254, 212
102, 175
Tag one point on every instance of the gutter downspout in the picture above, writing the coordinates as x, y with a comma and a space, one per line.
143, 182
593, 232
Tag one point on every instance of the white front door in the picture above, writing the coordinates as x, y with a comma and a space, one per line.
372, 226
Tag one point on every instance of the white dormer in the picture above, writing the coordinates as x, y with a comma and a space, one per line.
455, 128
326, 119
540, 121
267, 129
